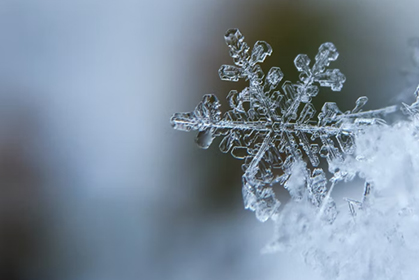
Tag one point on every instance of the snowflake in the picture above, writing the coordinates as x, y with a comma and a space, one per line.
272, 127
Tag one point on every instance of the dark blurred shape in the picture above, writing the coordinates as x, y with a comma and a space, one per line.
20, 181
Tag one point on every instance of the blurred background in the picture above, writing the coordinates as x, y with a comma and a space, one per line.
96, 185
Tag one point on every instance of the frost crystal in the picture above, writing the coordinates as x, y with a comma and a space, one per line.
413, 111
272, 127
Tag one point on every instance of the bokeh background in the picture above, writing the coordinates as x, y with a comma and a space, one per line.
94, 183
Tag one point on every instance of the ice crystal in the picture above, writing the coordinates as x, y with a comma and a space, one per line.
413, 111
272, 128
377, 237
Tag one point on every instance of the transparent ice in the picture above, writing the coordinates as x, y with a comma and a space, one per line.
272, 126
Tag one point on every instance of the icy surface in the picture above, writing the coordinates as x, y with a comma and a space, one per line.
377, 237
272, 127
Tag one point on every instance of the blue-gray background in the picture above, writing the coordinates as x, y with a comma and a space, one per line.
94, 183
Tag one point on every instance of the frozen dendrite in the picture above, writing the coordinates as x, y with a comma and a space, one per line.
272, 127
412, 111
